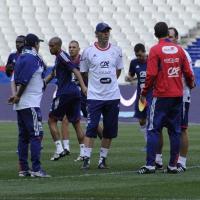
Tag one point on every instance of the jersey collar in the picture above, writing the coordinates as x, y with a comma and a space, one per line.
102, 49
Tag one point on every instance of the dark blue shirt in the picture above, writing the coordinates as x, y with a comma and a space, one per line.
139, 68
12, 58
64, 67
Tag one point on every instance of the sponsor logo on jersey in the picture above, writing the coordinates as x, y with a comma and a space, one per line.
105, 80
143, 74
169, 49
173, 72
104, 64
171, 60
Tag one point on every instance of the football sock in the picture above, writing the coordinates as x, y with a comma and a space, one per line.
103, 152
82, 150
182, 161
59, 147
66, 144
159, 159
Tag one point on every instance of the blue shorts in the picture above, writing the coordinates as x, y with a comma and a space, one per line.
65, 105
185, 111
110, 111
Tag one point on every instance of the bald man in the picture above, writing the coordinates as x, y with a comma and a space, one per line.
67, 99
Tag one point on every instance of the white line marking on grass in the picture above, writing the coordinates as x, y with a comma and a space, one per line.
82, 175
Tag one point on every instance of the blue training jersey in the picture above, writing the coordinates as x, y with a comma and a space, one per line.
12, 58
139, 68
64, 67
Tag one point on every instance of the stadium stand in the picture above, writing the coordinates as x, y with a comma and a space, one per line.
132, 22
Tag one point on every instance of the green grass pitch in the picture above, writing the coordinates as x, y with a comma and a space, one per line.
121, 181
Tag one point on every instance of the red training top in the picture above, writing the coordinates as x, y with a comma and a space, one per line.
166, 65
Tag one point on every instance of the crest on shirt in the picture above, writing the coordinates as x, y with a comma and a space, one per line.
169, 49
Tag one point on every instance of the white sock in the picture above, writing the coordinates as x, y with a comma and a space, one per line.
172, 168
103, 152
159, 159
182, 161
82, 150
87, 152
66, 144
143, 130
59, 147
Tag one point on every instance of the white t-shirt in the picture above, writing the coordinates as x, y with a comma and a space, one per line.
186, 89
101, 65
32, 95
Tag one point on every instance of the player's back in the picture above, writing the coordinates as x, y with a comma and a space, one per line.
167, 59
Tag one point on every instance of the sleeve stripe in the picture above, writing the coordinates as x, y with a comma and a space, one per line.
65, 58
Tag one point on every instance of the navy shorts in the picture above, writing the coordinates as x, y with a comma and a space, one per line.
109, 109
65, 105
185, 111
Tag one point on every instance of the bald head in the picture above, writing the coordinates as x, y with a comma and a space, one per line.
55, 44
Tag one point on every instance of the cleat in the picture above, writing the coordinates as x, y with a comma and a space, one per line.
80, 158
180, 168
57, 156
41, 174
102, 163
159, 166
24, 173
171, 170
86, 163
67, 152
146, 170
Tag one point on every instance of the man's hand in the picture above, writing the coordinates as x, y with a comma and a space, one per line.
9, 70
13, 99
143, 99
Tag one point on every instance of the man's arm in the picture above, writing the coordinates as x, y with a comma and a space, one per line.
17, 96
187, 70
9, 68
81, 82
85, 76
48, 78
118, 72
152, 71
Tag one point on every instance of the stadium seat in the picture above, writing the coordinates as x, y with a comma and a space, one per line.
132, 21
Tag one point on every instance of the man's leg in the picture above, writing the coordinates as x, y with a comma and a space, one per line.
100, 131
94, 114
80, 136
174, 131
57, 113
23, 141
184, 145
65, 134
156, 118
159, 160
110, 123
56, 138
